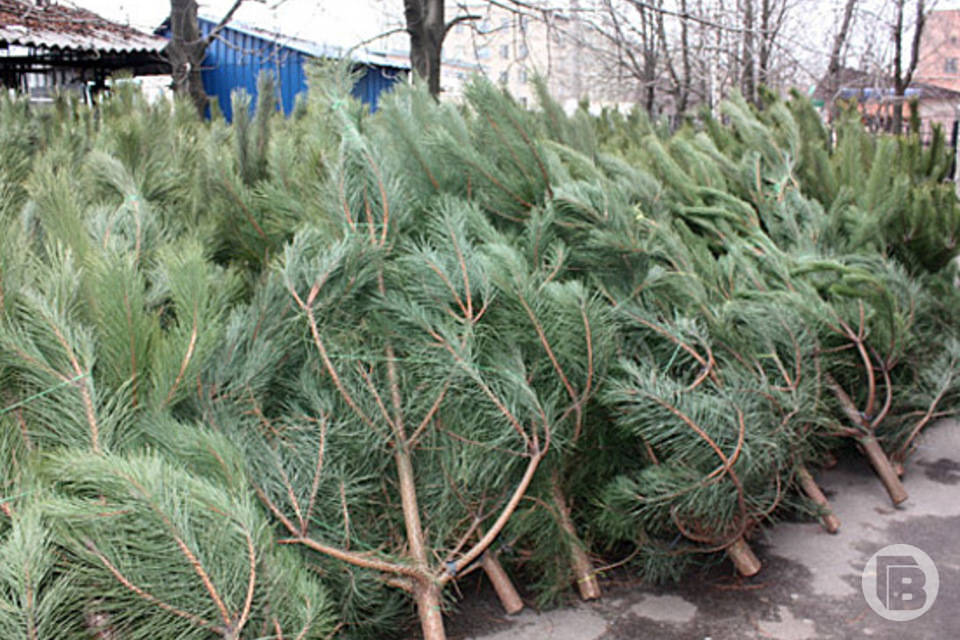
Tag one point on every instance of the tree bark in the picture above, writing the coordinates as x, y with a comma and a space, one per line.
502, 584
766, 39
186, 51
902, 78
749, 84
583, 572
426, 27
427, 592
743, 558
836, 54
830, 522
649, 63
899, 88
427, 597
881, 464
840, 40
684, 93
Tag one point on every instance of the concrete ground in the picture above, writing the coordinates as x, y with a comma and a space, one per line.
810, 585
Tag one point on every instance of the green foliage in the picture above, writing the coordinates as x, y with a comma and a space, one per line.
240, 362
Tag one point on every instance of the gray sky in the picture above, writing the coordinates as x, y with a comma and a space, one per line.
348, 22
338, 22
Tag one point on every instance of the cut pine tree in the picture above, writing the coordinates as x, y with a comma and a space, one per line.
716, 471
405, 367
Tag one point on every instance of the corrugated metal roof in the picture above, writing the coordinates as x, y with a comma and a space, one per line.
67, 28
317, 49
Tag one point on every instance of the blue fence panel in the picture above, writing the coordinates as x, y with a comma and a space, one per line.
374, 82
235, 60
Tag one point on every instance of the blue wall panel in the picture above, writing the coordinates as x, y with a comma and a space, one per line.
235, 60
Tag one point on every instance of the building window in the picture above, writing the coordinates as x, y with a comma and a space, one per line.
522, 76
953, 39
485, 26
523, 101
950, 65
504, 23
505, 51
503, 77
522, 51
483, 53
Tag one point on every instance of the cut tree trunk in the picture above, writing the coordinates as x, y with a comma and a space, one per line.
830, 522
426, 590
498, 577
427, 597
580, 563
881, 464
743, 558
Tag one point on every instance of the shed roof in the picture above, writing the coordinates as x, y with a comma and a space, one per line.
60, 27
316, 49
852, 83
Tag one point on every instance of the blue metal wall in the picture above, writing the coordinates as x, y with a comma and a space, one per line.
235, 59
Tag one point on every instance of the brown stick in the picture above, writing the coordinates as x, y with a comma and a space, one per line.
580, 562
501, 520
743, 558
830, 522
498, 577
428, 609
881, 464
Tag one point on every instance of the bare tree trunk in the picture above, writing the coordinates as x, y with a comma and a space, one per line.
649, 61
714, 73
683, 96
766, 31
680, 81
836, 51
901, 78
749, 84
427, 30
899, 88
840, 40
187, 49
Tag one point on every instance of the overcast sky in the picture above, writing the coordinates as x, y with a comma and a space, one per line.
338, 22
346, 23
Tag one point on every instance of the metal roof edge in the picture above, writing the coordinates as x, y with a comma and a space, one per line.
312, 48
